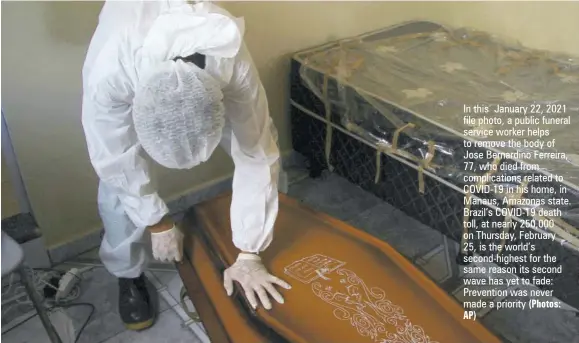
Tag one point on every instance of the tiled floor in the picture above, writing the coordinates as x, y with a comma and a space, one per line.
100, 289
425, 247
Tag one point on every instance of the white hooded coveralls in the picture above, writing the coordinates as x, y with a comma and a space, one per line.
124, 45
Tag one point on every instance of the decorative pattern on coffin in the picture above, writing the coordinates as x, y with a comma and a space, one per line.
366, 308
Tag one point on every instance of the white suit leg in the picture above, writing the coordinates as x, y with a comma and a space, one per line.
125, 248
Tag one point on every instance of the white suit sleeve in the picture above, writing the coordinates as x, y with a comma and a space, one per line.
112, 143
255, 153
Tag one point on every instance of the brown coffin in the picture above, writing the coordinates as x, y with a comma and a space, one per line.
347, 286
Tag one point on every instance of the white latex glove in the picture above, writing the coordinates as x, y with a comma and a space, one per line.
168, 245
250, 273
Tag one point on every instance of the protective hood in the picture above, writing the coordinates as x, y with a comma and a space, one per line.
178, 109
182, 30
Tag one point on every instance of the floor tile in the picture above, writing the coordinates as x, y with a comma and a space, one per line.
30, 332
200, 332
167, 297
153, 279
100, 328
101, 289
410, 237
333, 195
436, 264
178, 309
296, 174
172, 285
168, 329
172, 281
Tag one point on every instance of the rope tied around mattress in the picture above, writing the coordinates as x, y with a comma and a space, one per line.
468, 200
424, 164
328, 110
382, 148
508, 217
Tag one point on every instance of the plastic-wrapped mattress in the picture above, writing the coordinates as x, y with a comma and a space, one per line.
437, 120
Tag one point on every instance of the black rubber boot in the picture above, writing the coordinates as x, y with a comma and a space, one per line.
136, 306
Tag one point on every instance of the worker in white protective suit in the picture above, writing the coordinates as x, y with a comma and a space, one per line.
175, 80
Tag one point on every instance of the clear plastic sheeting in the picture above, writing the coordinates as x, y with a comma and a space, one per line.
419, 90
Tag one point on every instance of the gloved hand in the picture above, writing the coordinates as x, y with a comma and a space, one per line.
167, 241
251, 274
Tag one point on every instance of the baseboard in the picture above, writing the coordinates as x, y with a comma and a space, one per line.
35, 254
75, 247
91, 240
